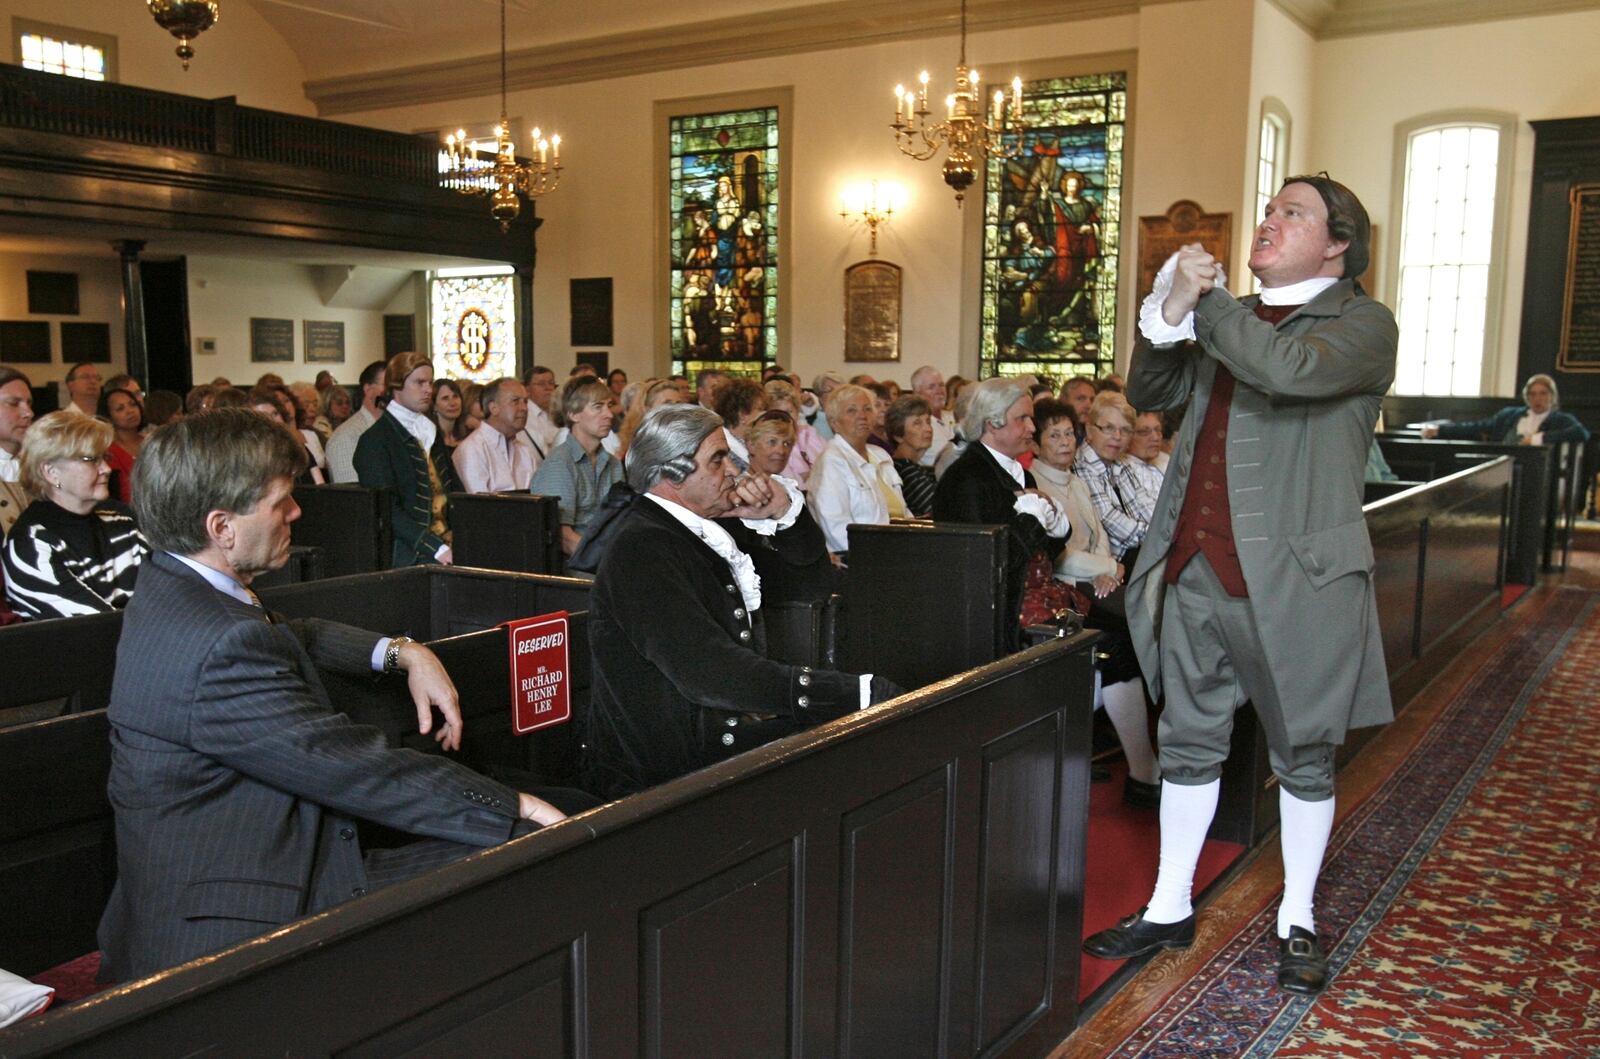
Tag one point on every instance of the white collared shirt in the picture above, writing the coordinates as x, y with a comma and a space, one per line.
844, 488
541, 431
10, 467
489, 462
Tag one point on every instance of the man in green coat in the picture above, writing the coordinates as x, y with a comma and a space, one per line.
1254, 582
404, 452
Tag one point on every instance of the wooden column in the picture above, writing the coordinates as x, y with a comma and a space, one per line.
133, 309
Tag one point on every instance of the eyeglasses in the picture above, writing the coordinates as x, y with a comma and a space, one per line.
1116, 432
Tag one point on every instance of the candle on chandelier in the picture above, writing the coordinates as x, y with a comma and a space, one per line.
555, 144
1016, 98
899, 102
923, 98
999, 104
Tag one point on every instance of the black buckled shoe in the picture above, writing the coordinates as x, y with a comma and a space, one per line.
1135, 937
1302, 965
1141, 795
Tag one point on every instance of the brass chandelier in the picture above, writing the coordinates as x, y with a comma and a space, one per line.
971, 134
184, 19
502, 178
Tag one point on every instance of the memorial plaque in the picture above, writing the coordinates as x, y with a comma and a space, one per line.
872, 311
53, 293
1580, 313
591, 312
86, 342
271, 339
399, 333
24, 341
1184, 222
324, 341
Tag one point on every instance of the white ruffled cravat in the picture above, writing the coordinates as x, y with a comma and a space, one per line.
718, 540
422, 427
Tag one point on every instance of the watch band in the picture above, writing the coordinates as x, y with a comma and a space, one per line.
391, 657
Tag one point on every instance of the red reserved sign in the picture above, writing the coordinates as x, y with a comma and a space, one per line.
540, 696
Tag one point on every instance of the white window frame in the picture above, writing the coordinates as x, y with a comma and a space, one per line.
1507, 126
71, 34
1270, 169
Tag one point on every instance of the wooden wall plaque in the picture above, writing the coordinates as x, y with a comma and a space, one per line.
872, 311
1184, 222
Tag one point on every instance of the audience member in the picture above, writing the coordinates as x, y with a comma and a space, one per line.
656, 393
583, 369
123, 381
541, 429
342, 443
1110, 381
676, 635
952, 388
123, 410
987, 485
83, 388
1079, 392
234, 780
706, 384
882, 397
771, 441
233, 397
404, 453
16, 415
198, 399
813, 409
617, 381
1537, 421
449, 412
162, 407
910, 427
472, 406
808, 443
1124, 489
325, 381
307, 407
852, 480
336, 408
929, 384
302, 422
738, 402
74, 551
1146, 441
270, 379
579, 471
497, 457
1087, 560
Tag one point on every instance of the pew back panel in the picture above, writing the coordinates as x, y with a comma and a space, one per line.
72, 659
507, 531
770, 916
350, 523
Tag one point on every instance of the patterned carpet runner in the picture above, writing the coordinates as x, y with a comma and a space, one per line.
1462, 899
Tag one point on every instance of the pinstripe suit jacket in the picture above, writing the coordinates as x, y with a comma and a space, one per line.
387, 455
234, 780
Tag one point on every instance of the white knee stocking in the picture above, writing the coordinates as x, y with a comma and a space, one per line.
1304, 828
1186, 814
1125, 705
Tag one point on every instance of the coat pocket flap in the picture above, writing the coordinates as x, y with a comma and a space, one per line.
247, 899
1333, 552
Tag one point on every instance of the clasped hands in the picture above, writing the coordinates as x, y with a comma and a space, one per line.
1195, 273
431, 687
757, 496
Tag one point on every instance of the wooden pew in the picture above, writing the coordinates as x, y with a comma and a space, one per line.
888, 883
507, 531
350, 523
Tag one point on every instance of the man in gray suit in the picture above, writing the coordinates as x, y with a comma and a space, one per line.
1255, 580
234, 781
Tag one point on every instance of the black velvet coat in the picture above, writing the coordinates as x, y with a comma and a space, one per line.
677, 661
387, 455
976, 489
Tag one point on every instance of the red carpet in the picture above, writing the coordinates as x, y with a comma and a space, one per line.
1124, 846
1509, 594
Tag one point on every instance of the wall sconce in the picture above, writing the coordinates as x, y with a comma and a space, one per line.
871, 204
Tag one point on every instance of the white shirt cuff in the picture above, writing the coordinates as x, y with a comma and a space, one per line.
1155, 327
866, 690
768, 526
381, 649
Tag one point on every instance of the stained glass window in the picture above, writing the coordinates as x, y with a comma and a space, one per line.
724, 241
474, 327
1052, 233
56, 55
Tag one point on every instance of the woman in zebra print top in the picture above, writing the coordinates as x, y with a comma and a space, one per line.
73, 551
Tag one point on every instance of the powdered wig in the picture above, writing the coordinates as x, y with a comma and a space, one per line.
221, 460
664, 447
65, 435
400, 367
991, 400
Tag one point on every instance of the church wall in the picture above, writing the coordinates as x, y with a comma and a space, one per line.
239, 56
1534, 67
1283, 60
602, 220
99, 301
224, 293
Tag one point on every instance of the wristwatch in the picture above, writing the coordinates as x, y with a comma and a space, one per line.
391, 657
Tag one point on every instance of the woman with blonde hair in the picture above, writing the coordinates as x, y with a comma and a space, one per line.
654, 393
74, 551
852, 480
808, 443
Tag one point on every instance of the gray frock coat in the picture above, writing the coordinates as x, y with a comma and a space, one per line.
1301, 422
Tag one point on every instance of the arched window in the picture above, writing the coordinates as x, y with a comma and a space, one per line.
1455, 183
1272, 156
474, 323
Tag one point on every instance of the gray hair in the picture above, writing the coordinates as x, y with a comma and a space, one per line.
991, 399
494, 392
922, 373
1555, 394
666, 442
222, 460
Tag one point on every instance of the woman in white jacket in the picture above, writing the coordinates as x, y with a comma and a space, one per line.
1088, 561
852, 481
